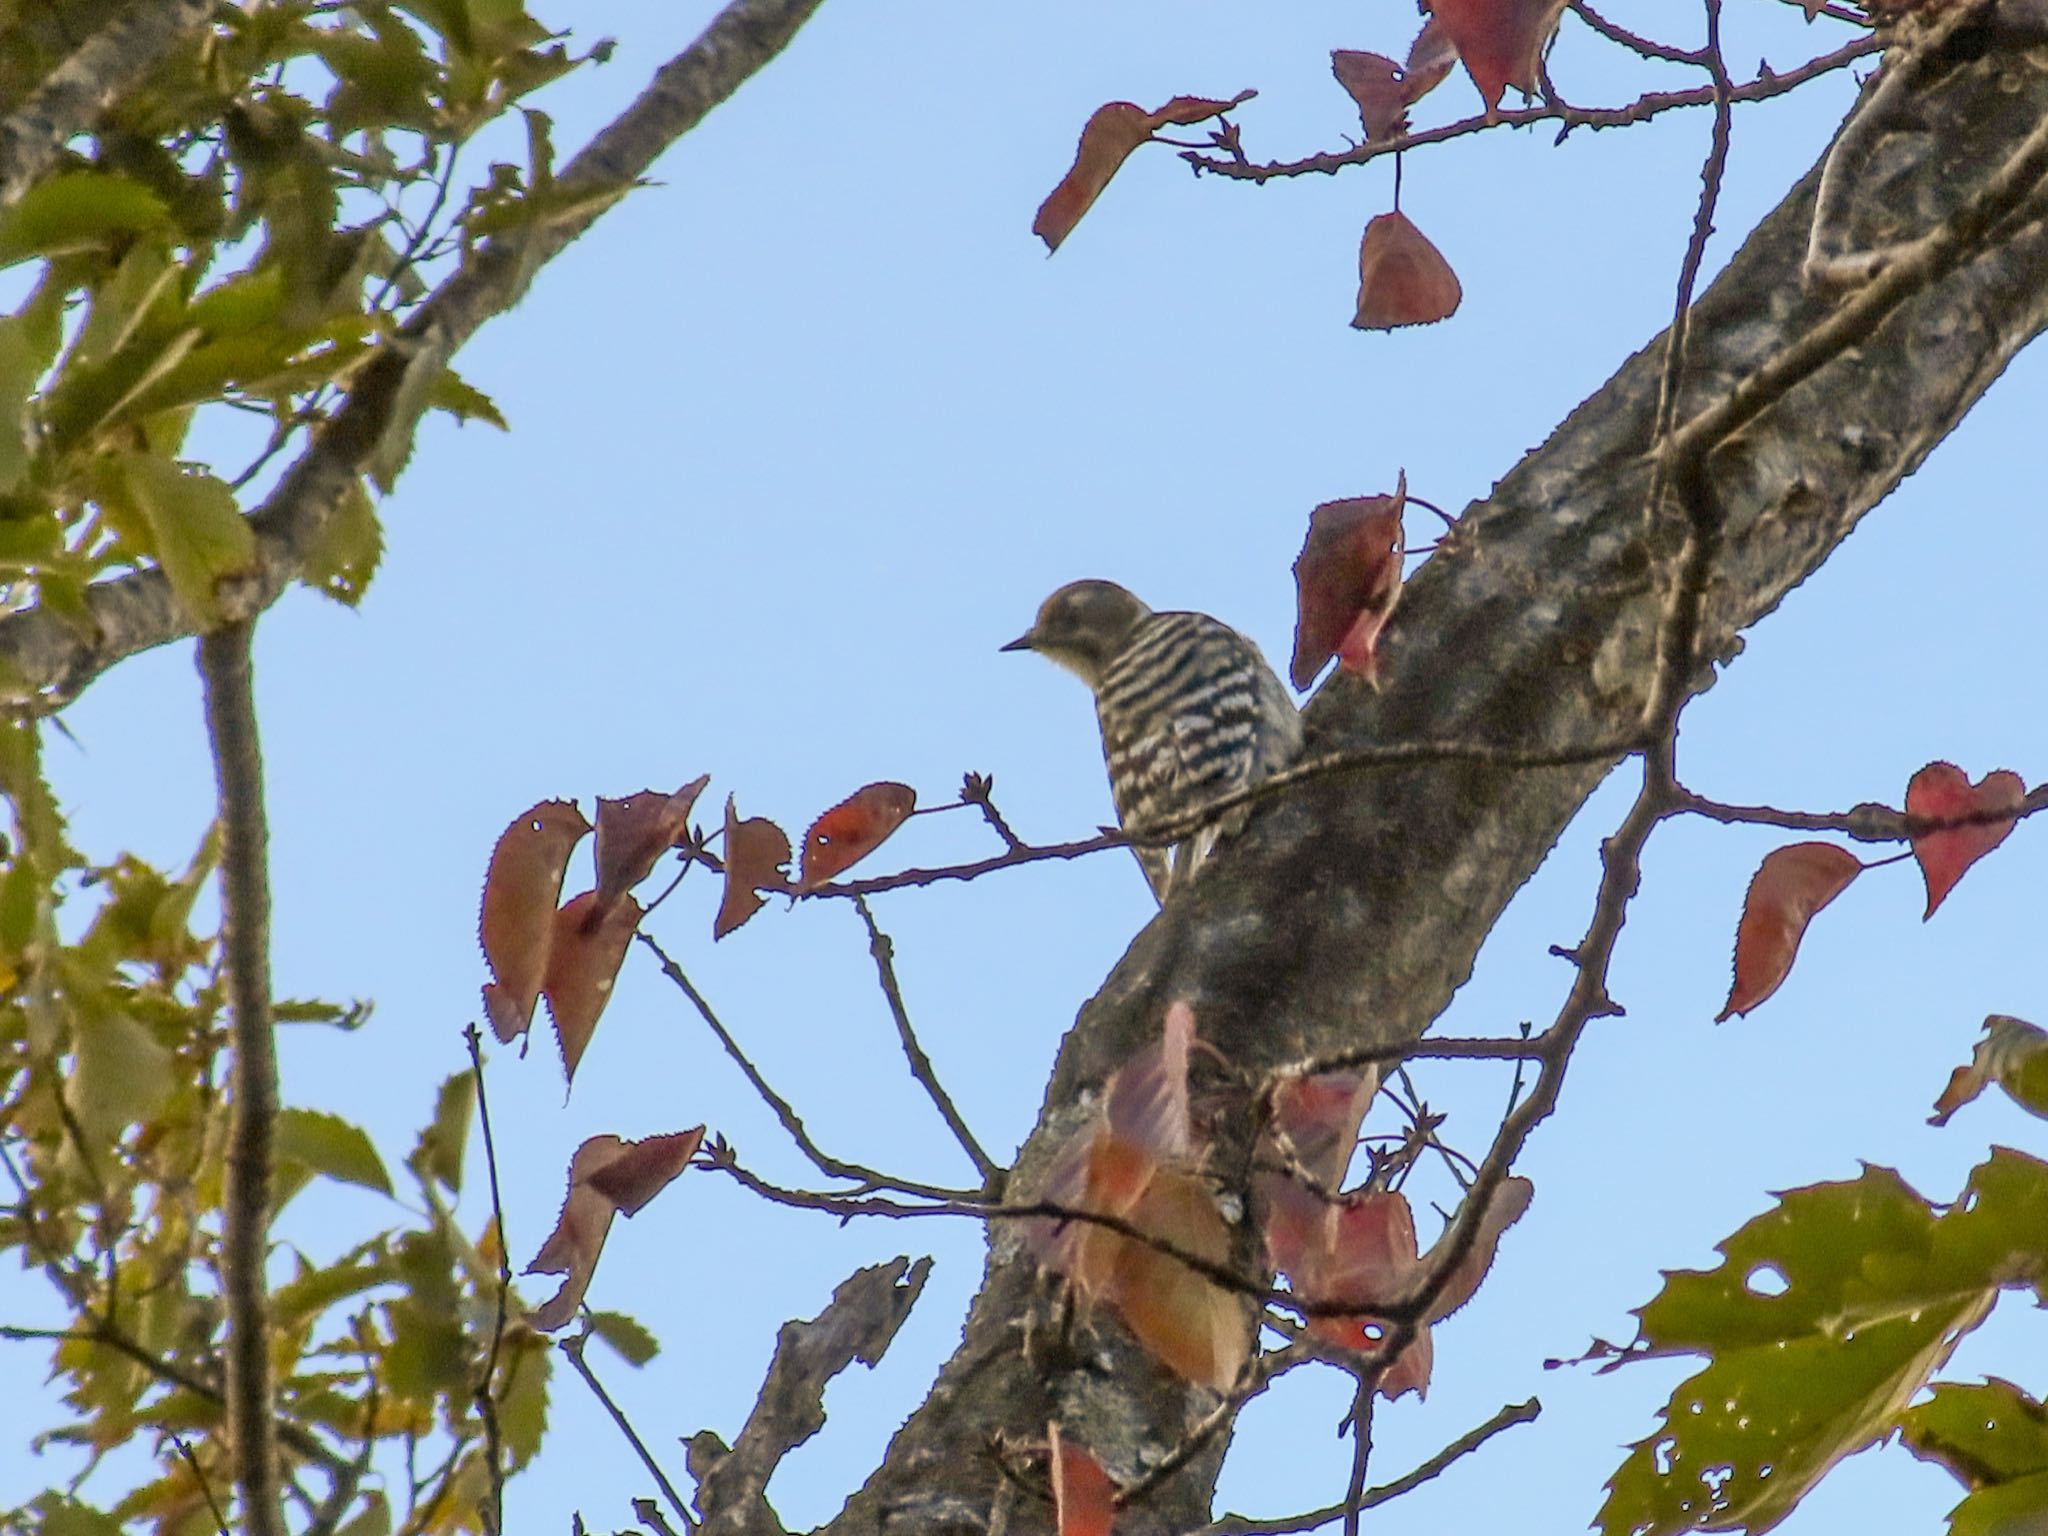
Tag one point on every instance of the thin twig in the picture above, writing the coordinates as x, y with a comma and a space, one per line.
220, 1520
1465, 1444
573, 1348
486, 1388
1766, 85
224, 663
831, 1167
1361, 1450
883, 949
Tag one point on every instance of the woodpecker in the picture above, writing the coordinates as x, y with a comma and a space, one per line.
1189, 710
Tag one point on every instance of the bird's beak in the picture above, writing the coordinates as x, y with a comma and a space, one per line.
1028, 641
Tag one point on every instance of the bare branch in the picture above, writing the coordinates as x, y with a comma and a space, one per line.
78, 92
1465, 1444
883, 949
224, 663
1766, 85
857, 1324
572, 1348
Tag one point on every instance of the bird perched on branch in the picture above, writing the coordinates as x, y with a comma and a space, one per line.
1189, 710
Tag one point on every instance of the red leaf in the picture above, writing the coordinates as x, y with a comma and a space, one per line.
1376, 84
572, 1248
1107, 140
1315, 1121
1511, 1198
518, 918
1943, 792
1347, 579
632, 833
1789, 887
1146, 1099
853, 829
756, 856
1083, 1497
1430, 60
583, 962
1501, 41
1402, 278
643, 1169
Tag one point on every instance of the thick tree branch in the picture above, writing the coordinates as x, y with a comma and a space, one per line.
78, 92
48, 659
224, 663
1350, 910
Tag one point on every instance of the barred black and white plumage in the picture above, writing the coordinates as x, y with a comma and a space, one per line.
1188, 708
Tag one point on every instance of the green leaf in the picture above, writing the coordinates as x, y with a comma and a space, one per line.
375, 1520
428, 1354
57, 1515
424, 363
439, 1151
122, 1074
633, 1342
2004, 1509
76, 209
191, 524
313, 1011
464, 401
1828, 1314
346, 555
1983, 1434
523, 1398
21, 365
315, 1290
331, 1145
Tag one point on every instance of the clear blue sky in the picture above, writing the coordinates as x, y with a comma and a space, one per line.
802, 433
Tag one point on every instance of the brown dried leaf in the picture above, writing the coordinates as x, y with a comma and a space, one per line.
851, 830
1107, 139
1402, 278
1347, 579
634, 832
517, 921
1431, 58
602, 1166
1376, 83
756, 859
583, 963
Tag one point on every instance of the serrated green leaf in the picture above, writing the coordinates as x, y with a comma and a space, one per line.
2017, 1508
428, 1354
414, 396
1991, 1433
523, 1398
330, 1145
315, 1290
344, 559
1827, 1316
439, 1150
75, 209
190, 523
56, 1515
632, 1341
464, 401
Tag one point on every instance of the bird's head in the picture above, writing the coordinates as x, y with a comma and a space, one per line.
1084, 627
